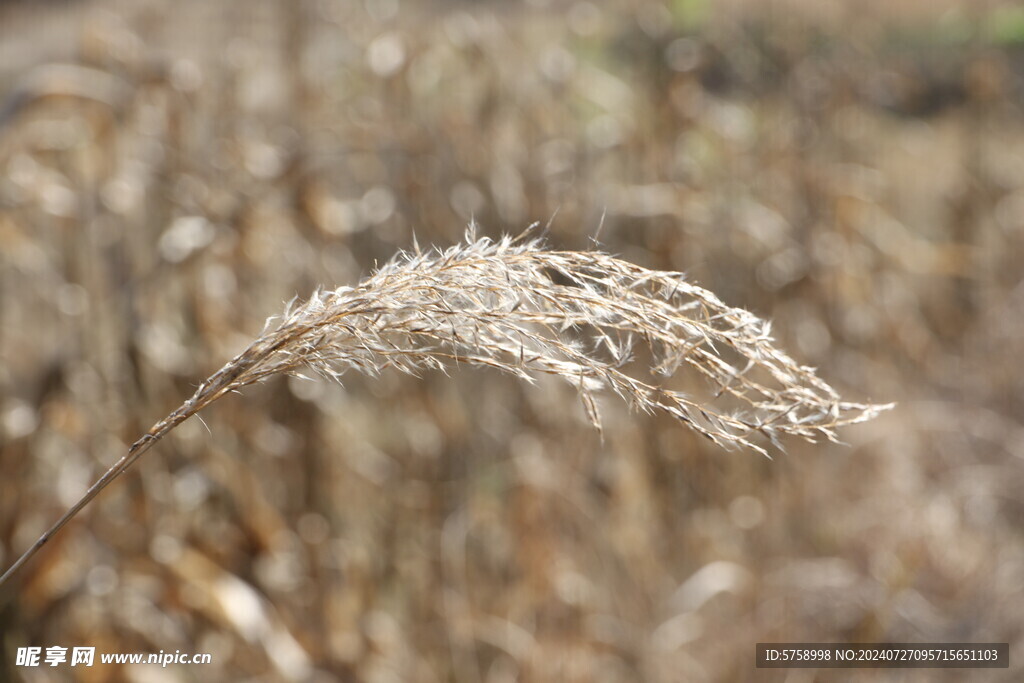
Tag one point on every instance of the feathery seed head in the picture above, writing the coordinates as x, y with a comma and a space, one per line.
518, 307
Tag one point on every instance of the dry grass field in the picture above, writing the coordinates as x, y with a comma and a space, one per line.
172, 173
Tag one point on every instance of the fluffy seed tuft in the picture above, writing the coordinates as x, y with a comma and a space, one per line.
518, 307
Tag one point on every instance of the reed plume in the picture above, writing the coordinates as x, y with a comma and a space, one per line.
518, 307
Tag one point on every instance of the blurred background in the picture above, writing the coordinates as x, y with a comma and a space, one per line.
172, 172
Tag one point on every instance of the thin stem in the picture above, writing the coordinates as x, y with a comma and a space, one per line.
136, 451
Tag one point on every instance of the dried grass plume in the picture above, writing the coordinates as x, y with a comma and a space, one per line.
518, 307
